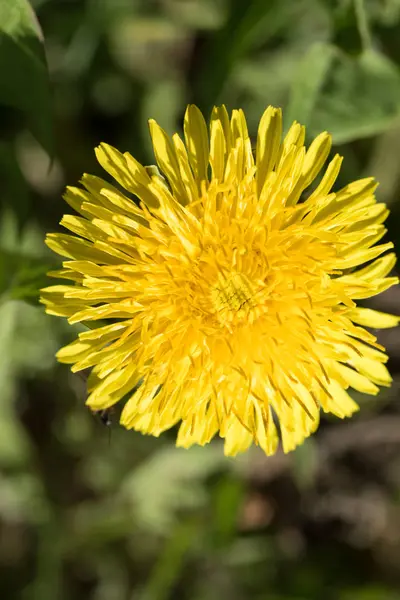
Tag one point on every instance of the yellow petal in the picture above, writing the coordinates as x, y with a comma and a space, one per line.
196, 138
166, 158
217, 150
340, 403
237, 438
357, 381
313, 162
219, 113
186, 173
74, 351
127, 171
268, 143
373, 318
240, 132
379, 268
373, 369
329, 178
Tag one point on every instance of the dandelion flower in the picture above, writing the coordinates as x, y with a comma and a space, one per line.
230, 287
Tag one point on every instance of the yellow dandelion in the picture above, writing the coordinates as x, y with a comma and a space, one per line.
229, 289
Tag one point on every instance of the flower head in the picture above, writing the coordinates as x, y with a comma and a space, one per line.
230, 288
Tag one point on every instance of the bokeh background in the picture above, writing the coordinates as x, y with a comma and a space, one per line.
95, 513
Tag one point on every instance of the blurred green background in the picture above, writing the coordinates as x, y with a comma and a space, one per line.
88, 513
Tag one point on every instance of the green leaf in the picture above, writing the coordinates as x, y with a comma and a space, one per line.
23, 268
351, 97
22, 277
163, 102
197, 14
24, 83
227, 500
170, 563
15, 195
304, 462
28, 342
370, 592
170, 482
311, 75
248, 24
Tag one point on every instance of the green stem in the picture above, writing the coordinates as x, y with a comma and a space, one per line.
362, 24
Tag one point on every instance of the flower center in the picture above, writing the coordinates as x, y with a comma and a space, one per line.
232, 296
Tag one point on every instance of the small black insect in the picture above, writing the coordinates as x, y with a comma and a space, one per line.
104, 416
105, 419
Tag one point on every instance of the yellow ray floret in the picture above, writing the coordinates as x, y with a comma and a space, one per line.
229, 288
